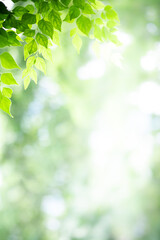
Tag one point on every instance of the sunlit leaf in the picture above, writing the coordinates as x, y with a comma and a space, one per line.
8, 79
7, 92
77, 42
7, 61
40, 64
26, 82
84, 24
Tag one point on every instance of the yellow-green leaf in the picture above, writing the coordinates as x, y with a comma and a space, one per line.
40, 64
77, 42
7, 61
8, 79
26, 82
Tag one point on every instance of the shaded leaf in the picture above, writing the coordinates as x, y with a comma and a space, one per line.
46, 27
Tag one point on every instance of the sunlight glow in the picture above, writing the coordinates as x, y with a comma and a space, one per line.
147, 98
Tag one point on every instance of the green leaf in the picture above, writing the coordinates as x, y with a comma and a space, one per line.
21, 26
74, 12
7, 61
46, 53
7, 92
33, 75
29, 18
46, 27
8, 79
26, 82
105, 33
30, 61
113, 38
73, 32
66, 2
12, 39
77, 43
40, 64
98, 5
111, 13
57, 6
3, 9
3, 38
56, 39
99, 21
31, 47
97, 32
111, 24
30, 8
88, 9
29, 33
19, 11
79, 3
55, 18
10, 22
43, 7
5, 104
25, 72
42, 39
84, 24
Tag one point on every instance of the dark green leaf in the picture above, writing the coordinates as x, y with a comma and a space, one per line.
10, 22
43, 7
42, 39
66, 2
79, 3
31, 47
46, 27
3, 38
12, 39
74, 12
3, 8
57, 6
29, 18
29, 33
19, 11
55, 18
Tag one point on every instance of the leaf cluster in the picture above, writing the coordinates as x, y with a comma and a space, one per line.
39, 24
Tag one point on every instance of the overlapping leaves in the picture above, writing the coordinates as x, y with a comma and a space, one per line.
40, 24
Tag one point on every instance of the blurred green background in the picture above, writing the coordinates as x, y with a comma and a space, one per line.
81, 158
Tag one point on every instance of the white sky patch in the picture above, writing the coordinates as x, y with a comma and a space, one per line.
93, 69
9, 4
53, 206
152, 28
124, 38
151, 61
147, 98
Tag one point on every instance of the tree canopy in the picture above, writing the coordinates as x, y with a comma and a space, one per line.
36, 26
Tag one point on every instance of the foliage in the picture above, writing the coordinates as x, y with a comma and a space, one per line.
39, 24
44, 153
